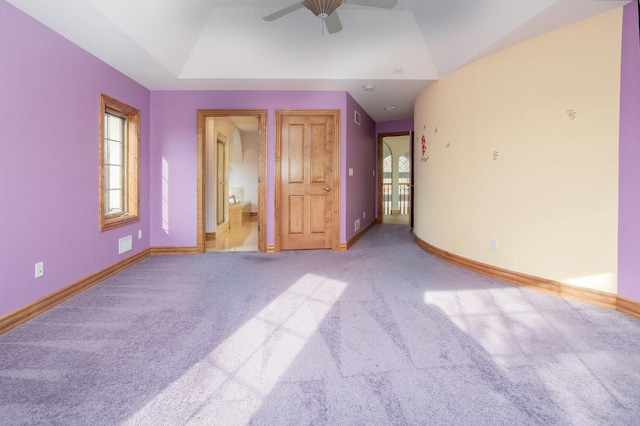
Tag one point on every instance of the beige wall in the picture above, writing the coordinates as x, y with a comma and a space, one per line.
550, 197
245, 173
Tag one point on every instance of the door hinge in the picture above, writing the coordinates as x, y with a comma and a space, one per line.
258, 179
258, 228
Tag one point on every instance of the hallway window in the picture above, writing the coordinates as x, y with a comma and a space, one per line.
119, 163
387, 182
404, 182
403, 167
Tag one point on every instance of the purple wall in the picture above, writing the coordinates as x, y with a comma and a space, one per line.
173, 132
629, 160
394, 126
361, 157
49, 112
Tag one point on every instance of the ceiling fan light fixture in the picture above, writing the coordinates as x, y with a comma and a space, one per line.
322, 8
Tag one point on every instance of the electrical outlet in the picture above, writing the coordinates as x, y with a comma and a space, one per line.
493, 244
39, 269
364, 215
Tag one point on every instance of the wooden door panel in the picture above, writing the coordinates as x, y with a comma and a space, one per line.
296, 214
306, 170
317, 222
318, 161
295, 155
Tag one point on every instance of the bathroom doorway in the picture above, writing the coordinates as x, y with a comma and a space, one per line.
231, 189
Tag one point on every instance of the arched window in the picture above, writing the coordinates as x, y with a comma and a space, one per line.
387, 165
403, 168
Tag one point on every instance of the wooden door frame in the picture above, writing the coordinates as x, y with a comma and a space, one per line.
202, 115
381, 136
335, 216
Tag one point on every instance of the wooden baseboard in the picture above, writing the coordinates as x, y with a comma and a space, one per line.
342, 247
35, 308
628, 306
210, 236
271, 248
173, 250
360, 233
594, 297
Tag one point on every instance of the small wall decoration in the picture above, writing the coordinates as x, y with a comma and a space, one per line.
572, 114
495, 155
424, 149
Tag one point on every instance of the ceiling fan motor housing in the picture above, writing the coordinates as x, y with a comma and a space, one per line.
322, 8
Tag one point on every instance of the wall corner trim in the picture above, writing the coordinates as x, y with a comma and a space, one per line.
594, 297
37, 307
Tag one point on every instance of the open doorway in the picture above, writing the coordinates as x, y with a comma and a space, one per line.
395, 183
231, 175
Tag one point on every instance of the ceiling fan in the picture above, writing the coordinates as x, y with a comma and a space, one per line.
326, 9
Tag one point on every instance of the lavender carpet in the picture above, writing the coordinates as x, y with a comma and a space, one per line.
383, 334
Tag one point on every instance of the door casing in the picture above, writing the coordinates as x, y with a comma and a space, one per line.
202, 116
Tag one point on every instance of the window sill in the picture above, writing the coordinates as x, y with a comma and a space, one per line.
117, 221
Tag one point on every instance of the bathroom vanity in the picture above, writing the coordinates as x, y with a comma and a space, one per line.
235, 214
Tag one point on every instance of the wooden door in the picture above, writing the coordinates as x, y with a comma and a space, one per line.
308, 183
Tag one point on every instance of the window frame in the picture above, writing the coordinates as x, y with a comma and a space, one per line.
131, 182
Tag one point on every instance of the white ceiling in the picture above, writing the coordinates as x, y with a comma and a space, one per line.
225, 44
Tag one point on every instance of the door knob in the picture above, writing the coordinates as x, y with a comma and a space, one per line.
328, 188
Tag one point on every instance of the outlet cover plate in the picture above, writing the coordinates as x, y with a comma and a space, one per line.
39, 269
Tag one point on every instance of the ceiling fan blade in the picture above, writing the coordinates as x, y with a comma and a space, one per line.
333, 23
385, 4
283, 12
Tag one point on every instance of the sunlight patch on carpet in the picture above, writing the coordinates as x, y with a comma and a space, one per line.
249, 363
